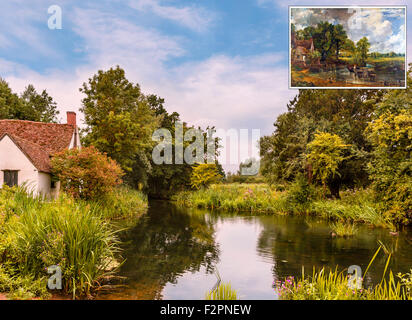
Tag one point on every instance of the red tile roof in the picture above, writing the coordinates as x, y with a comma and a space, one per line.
38, 140
304, 43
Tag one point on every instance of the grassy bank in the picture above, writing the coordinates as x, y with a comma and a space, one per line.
337, 285
353, 207
77, 236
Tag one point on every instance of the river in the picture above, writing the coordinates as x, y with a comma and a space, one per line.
172, 252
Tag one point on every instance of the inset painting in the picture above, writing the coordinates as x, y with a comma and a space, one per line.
347, 47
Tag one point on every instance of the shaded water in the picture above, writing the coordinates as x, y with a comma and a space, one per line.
172, 252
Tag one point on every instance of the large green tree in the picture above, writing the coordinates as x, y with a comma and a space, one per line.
118, 117
345, 113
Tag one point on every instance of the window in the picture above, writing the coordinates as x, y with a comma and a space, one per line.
10, 177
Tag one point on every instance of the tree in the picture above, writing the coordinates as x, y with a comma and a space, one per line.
86, 173
323, 37
339, 38
361, 52
349, 45
390, 168
204, 174
166, 179
325, 156
345, 113
28, 106
43, 107
118, 117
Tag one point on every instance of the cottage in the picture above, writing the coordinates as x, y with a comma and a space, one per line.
301, 49
26, 148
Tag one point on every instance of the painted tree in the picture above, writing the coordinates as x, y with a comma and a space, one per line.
204, 174
361, 51
325, 155
339, 38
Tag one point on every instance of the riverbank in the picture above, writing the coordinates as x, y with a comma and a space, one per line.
353, 207
77, 236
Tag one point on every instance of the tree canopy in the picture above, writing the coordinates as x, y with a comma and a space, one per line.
30, 105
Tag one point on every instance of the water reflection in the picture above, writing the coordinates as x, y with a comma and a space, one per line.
171, 253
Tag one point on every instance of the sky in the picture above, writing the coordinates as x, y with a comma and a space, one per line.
384, 27
216, 62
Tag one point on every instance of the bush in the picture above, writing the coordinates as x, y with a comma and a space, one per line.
86, 173
204, 174
301, 193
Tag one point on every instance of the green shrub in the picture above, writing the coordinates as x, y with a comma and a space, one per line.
300, 194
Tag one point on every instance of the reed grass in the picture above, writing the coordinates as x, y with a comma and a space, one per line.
78, 236
343, 229
223, 292
334, 285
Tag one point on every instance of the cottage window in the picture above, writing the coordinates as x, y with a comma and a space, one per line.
10, 177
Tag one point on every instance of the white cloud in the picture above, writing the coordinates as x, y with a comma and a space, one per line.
195, 18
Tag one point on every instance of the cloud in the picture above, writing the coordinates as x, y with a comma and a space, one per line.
195, 18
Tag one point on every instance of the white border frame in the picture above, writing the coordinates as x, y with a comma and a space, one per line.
346, 7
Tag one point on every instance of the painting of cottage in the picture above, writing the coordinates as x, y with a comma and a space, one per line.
347, 47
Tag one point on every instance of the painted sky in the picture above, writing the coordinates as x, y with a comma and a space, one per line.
384, 27
216, 62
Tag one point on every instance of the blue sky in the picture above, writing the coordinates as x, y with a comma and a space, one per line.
216, 62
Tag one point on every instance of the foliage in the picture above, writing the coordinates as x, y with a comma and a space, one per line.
301, 193
86, 173
21, 287
121, 203
345, 113
334, 285
325, 155
343, 229
28, 106
390, 134
164, 179
42, 106
354, 207
223, 292
37, 234
361, 51
118, 118
204, 174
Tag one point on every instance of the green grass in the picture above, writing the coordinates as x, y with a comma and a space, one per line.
78, 236
342, 229
255, 198
353, 207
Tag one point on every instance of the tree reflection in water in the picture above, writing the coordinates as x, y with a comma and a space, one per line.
162, 246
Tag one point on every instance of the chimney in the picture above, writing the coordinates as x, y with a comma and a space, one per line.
71, 118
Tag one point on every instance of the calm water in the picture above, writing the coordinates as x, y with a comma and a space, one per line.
172, 252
